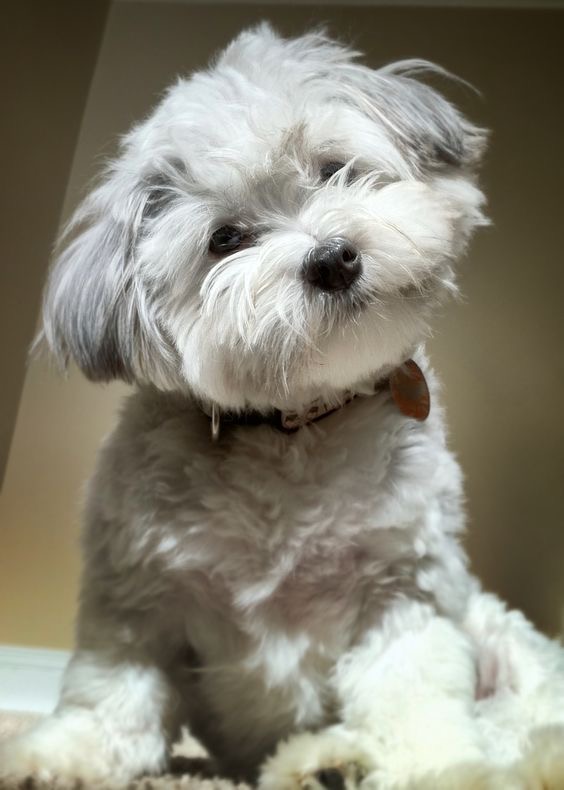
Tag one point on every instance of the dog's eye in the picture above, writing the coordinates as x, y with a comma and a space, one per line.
329, 169
226, 239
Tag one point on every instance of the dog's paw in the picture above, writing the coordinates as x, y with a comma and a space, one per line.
542, 767
332, 759
471, 776
37, 756
21, 760
72, 750
466, 776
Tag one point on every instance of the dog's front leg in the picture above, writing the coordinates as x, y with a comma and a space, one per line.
113, 723
410, 684
407, 692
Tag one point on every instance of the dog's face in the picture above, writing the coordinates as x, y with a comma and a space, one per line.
282, 226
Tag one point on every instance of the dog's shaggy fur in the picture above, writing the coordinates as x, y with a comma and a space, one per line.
301, 601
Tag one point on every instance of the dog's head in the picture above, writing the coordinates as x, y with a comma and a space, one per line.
282, 225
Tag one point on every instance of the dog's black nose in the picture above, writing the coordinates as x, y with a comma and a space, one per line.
333, 265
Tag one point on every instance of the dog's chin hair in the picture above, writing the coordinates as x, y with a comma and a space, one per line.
287, 368
276, 343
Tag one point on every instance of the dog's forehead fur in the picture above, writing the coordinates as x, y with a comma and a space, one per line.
217, 146
267, 97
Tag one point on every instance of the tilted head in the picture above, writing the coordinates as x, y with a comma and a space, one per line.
283, 224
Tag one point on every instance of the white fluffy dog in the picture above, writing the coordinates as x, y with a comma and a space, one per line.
266, 251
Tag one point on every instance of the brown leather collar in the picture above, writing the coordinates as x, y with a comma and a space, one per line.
406, 384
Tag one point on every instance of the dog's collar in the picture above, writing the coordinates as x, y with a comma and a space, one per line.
406, 384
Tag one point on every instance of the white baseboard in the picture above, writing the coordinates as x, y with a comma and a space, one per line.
30, 678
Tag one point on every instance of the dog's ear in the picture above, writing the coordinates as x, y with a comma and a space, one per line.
430, 131
95, 311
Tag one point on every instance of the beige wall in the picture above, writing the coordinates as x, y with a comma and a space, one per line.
499, 351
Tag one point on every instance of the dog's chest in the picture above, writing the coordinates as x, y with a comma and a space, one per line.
276, 541
271, 533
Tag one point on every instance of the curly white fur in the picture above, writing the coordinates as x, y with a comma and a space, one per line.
302, 602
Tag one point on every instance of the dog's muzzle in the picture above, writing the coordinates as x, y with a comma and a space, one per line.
333, 265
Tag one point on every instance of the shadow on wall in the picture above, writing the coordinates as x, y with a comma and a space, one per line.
43, 100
